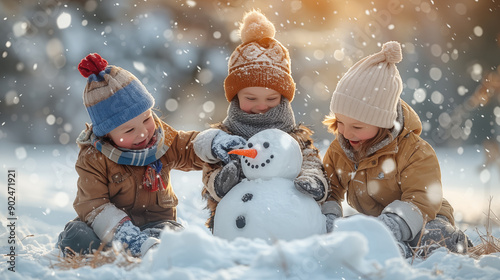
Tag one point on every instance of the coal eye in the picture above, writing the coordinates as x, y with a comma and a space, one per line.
266, 145
250, 145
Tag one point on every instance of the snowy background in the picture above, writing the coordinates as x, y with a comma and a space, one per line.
179, 50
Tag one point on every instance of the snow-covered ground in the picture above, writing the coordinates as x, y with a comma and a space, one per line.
359, 249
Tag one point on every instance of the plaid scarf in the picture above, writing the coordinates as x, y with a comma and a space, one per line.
123, 156
149, 157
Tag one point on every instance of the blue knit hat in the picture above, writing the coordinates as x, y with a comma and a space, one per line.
113, 96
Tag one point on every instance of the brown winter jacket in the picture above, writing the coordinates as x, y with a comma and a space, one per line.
103, 181
407, 169
311, 166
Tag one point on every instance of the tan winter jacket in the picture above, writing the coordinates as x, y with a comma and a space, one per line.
407, 169
102, 181
311, 166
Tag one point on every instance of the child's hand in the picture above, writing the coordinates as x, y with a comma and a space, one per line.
332, 211
223, 143
396, 225
136, 241
153, 232
230, 175
156, 231
330, 218
439, 231
311, 186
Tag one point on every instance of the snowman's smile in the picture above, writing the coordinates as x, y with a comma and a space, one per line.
257, 165
251, 153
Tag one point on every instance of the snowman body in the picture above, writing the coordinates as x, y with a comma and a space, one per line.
267, 205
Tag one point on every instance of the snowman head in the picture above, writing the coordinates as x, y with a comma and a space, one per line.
271, 153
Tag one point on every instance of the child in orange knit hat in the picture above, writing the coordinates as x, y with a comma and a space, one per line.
259, 88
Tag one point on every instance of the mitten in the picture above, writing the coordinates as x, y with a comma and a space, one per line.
173, 225
230, 175
332, 210
396, 225
440, 232
458, 242
149, 244
330, 219
153, 232
130, 235
157, 229
404, 249
310, 185
223, 143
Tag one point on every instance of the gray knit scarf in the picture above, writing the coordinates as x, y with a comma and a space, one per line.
246, 125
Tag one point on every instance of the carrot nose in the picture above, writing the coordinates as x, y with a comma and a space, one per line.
252, 153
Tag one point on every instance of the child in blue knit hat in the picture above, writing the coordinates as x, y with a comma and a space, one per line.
124, 193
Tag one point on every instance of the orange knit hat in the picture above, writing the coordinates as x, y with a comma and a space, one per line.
260, 61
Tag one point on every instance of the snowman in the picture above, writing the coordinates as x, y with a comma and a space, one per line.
266, 204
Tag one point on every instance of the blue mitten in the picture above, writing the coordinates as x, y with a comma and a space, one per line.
137, 242
224, 143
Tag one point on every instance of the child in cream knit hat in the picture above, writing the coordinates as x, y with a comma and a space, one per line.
379, 159
259, 87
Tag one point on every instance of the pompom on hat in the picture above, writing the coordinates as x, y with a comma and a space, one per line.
260, 61
370, 90
112, 96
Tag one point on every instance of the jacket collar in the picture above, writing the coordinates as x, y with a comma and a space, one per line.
388, 145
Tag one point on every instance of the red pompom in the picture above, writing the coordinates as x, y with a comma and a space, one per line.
92, 64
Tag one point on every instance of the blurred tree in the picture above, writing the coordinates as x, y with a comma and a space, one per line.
179, 50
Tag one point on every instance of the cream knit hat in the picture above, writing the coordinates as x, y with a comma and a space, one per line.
369, 91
